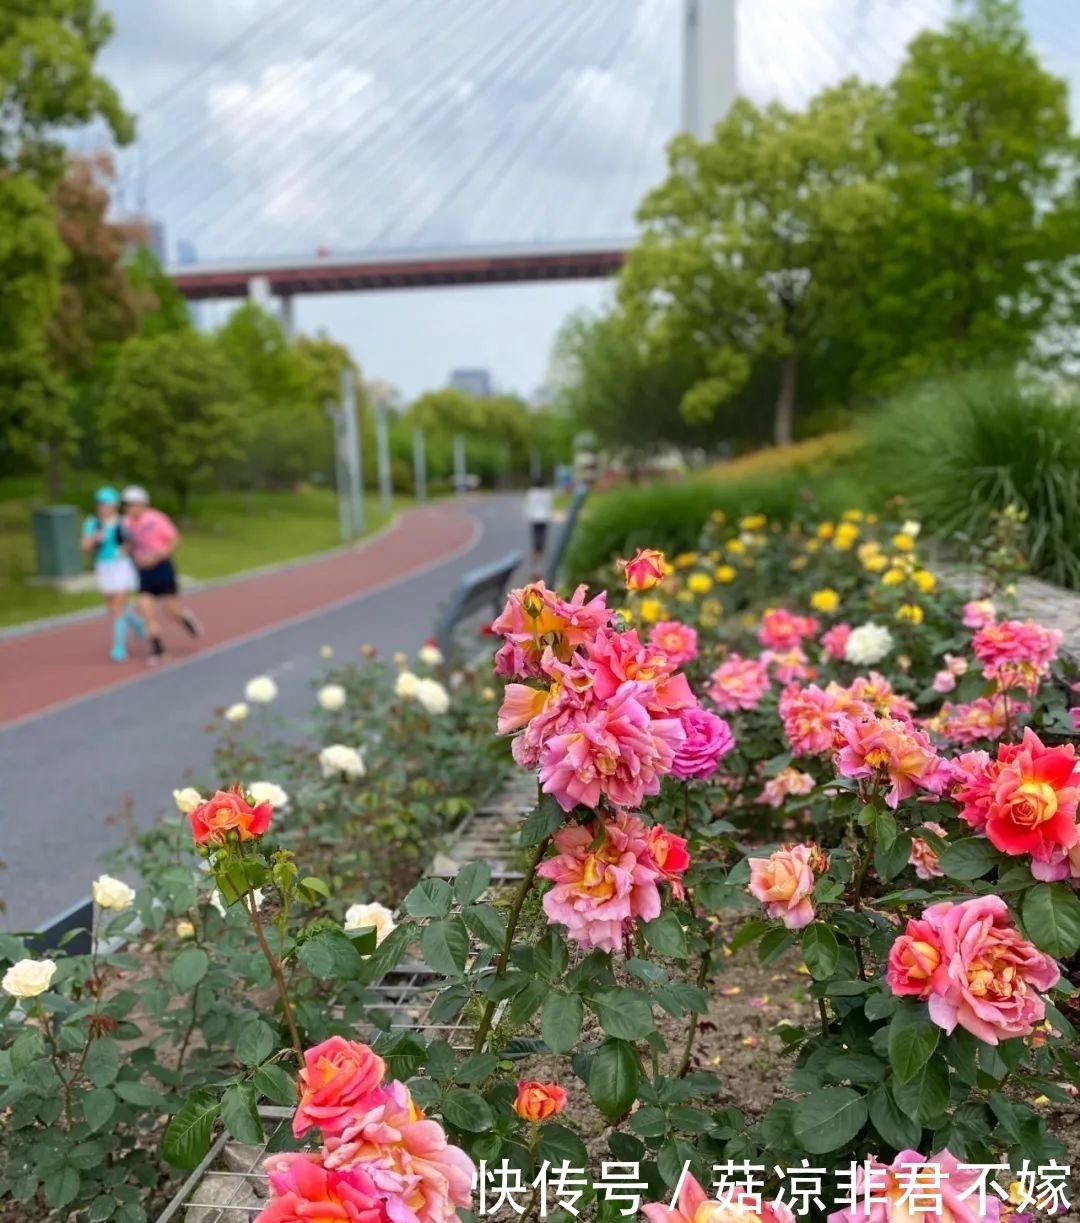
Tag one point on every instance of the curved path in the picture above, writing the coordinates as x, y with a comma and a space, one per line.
86, 740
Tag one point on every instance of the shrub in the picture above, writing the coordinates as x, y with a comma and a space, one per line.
671, 516
962, 451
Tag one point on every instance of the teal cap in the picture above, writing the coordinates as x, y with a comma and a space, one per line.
106, 496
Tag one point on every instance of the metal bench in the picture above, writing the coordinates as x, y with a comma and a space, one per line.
482, 589
555, 560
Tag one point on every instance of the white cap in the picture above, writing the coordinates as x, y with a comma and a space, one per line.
134, 494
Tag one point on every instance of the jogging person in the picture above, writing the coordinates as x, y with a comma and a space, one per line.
104, 537
153, 540
538, 510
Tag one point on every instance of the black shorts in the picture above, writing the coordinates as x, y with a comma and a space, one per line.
158, 581
539, 536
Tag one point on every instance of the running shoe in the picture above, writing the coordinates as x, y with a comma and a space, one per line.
190, 621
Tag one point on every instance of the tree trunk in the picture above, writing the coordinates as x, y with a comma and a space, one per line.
784, 422
54, 472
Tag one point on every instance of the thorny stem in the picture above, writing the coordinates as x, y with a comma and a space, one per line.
511, 928
864, 866
824, 1013
695, 1018
190, 1028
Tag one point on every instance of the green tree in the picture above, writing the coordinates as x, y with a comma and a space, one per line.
175, 412
608, 382
984, 200
753, 237
164, 307
48, 82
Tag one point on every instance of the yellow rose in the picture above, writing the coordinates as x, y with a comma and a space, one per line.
892, 577
799, 562
845, 536
871, 519
875, 564
752, 522
925, 580
699, 583
813, 545
735, 546
852, 515
685, 559
726, 573
718, 516
825, 600
903, 542
712, 607
684, 596
911, 612
709, 621
651, 610
626, 614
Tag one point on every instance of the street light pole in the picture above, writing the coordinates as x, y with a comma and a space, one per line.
353, 449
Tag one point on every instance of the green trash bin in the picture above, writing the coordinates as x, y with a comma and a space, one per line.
56, 542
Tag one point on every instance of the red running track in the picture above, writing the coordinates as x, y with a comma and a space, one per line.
48, 667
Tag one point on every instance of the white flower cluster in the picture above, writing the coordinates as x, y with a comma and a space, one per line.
427, 692
268, 792
331, 697
339, 759
868, 644
261, 690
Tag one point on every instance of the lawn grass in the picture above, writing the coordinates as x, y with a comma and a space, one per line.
225, 534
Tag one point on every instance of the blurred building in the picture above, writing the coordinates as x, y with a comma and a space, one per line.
475, 382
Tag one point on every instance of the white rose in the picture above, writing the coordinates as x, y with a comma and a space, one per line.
184, 929
219, 904
430, 655
111, 893
433, 696
359, 917
911, 528
337, 758
868, 644
28, 978
187, 799
331, 697
236, 713
267, 792
406, 685
261, 690
327, 651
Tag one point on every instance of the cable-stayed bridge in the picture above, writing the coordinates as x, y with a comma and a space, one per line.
326, 147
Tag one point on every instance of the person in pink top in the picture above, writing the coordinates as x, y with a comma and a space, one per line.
152, 539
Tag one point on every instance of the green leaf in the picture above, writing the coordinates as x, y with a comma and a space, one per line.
820, 950
890, 860
561, 1147
625, 1013
86, 1155
189, 968
240, 1113
364, 939
445, 945
774, 944
467, 1110
967, 859
665, 935
102, 1208
829, 1119
275, 1083
389, 953
99, 1104
140, 1095
311, 883
471, 882
925, 1096
188, 1134
476, 1067
913, 1037
613, 1078
330, 954
62, 1187
487, 923
885, 827
1052, 919
891, 1122
255, 1043
560, 1021
748, 932
546, 819
430, 898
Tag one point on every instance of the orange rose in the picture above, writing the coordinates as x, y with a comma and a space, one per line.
338, 1078
228, 811
645, 571
538, 1101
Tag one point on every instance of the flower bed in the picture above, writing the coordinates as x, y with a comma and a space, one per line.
794, 742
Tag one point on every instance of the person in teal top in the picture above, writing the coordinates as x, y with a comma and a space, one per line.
104, 538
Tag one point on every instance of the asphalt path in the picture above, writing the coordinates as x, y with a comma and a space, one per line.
65, 772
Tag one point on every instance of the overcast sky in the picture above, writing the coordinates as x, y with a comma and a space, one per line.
269, 127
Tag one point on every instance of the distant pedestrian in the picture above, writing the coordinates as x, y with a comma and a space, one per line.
539, 506
104, 537
153, 540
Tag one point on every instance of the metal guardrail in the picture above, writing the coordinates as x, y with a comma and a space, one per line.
480, 589
79, 917
554, 563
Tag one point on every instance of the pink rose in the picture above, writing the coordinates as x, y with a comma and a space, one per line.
708, 738
677, 640
923, 856
694, 1205
337, 1077
979, 613
783, 882
305, 1190
894, 1193
970, 964
834, 642
739, 683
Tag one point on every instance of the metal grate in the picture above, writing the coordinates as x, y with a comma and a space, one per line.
229, 1186
404, 997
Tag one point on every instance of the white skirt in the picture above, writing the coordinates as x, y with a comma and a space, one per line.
117, 577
